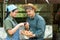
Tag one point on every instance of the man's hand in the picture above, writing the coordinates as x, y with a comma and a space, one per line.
28, 33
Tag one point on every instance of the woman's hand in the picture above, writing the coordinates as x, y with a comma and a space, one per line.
21, 24
26, 24
12, 31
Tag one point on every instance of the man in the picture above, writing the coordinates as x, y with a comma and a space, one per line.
36, 23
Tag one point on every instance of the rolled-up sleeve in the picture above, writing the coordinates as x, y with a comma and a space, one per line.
40, 28
7, 25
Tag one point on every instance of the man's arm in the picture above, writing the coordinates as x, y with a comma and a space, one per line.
40, 28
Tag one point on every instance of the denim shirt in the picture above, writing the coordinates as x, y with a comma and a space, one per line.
37, 26
9, 23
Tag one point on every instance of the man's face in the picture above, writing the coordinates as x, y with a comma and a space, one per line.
30, 12
14, 13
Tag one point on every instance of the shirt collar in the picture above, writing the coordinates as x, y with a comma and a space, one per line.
10, 17
33, 17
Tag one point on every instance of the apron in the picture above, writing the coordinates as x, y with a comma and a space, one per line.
16, 34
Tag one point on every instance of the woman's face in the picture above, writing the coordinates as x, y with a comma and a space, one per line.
13, 14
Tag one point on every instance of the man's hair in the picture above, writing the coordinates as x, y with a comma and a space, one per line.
29, 5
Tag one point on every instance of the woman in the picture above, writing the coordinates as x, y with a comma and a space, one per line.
11, 26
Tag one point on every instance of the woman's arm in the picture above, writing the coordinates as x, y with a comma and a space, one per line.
12, 31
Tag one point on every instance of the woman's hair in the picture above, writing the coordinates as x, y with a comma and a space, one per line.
9, 12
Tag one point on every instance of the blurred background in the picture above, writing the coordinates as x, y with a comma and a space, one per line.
48, 9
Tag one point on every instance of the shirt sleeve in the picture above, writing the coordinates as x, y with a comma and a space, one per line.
7, 25
40, 28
